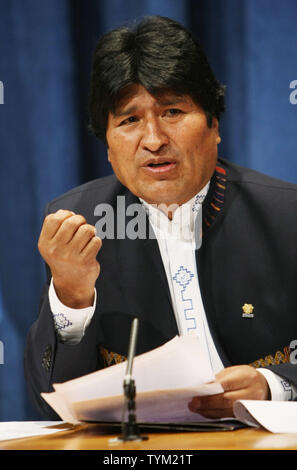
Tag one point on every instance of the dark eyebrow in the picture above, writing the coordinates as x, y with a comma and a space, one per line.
167, 101
125, 112
163, 101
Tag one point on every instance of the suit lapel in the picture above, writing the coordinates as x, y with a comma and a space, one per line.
214, 208
152, 248
143, 275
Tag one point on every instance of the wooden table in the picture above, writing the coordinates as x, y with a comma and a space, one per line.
95, 437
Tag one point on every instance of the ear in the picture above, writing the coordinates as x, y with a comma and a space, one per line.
215, 127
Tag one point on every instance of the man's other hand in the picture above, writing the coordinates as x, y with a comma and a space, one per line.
69, 246
239, 383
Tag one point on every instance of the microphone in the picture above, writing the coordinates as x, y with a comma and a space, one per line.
130, 429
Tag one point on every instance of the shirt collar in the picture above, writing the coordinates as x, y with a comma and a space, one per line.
183, 219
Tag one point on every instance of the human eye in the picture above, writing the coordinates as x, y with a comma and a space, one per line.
129, 120
172, 112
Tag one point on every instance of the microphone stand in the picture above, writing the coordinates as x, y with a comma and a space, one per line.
130, 429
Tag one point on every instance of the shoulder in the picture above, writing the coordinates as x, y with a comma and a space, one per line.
248, 177
253, 197
253, 184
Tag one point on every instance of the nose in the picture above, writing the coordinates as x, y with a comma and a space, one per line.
154, 137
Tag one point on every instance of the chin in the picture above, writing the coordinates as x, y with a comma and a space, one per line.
161, 194
156, 199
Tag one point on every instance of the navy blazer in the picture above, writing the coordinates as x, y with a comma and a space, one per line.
248, 256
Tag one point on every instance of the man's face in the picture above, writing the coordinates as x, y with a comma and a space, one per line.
161, 147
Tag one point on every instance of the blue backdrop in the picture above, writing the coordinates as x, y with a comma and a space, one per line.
45, 149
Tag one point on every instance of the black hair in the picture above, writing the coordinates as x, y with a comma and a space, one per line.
157, 53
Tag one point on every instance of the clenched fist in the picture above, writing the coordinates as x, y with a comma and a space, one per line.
69, 246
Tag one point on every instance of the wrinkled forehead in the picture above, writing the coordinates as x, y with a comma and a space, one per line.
163, 96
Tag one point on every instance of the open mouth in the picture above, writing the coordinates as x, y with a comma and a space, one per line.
156, 165
160, 169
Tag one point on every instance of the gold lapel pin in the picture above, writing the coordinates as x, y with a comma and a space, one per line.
247, 311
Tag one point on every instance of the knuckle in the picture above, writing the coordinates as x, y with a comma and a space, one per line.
72, 222
254, 374
49, 219
52, 220
58, 215
61, 212
96, 245
64, 212
51, 251
87, 229
79, 218
97, 241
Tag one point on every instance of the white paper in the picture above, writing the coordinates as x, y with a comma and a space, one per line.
275, 416
166, 379
61, 407
170, 406
22, 429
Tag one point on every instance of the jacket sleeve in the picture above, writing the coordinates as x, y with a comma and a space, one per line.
287, 370
47, 360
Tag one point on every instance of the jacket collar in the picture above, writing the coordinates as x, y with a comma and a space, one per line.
214, 202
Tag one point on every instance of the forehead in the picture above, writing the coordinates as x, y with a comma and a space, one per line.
136, 93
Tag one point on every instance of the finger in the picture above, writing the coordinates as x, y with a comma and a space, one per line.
52, 223
81, 238
237, 377
215, 413
68, 228
219, 401
221, 404
213, 407
92, 248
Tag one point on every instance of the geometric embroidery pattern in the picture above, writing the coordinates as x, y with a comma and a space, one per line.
286, 386
218, 197
111, 358
183, 278
61, 321
279, 357
199, 199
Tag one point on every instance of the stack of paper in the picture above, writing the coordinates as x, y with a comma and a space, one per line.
21, 429
275, 416
166, 379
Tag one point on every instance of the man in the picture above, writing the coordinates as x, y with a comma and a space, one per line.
156, 103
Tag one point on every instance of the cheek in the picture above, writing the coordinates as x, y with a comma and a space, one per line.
121, 147
205, 145
200, 154
122, 166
